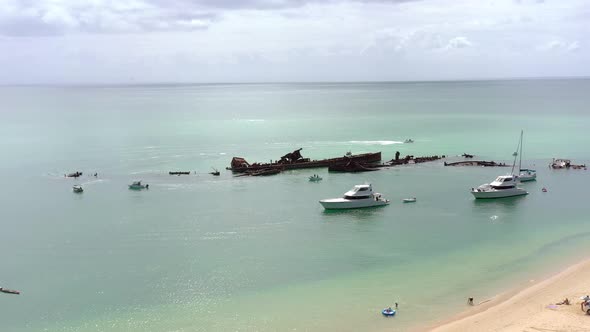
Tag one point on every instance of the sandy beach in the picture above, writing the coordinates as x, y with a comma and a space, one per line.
531, 309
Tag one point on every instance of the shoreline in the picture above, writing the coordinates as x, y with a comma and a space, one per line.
529, 308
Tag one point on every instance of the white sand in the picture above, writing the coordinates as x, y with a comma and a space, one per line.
527, 310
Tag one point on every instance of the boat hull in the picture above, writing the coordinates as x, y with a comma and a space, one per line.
527, 178
344, 204
487, 194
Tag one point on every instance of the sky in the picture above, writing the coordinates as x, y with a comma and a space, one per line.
200, 41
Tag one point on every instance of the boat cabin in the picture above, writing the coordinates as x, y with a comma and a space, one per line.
361, 191
505, 182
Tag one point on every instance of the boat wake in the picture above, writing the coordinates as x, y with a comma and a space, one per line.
375, 142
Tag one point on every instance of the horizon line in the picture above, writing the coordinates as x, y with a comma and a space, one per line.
177, 83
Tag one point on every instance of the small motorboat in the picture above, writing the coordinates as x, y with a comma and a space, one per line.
215, 172
467, 155
544, 190
409, 140
137, 185
388, 312
360, 196
409, 200
315, 178
77, 189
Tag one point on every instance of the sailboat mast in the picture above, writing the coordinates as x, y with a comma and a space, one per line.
520, 153
516, 153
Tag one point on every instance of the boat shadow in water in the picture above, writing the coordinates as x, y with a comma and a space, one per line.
366, 213
500, 201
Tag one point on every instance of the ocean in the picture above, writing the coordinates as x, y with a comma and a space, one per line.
204, 253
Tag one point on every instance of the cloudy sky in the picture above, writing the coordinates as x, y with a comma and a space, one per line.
142, 41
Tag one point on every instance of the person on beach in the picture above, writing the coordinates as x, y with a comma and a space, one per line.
566, 302
470, 301
396, 305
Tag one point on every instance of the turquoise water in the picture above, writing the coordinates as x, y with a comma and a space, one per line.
203, 253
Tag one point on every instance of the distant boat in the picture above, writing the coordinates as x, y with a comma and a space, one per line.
77, 189
215, 172
409, 140
409, 200
137, 185
315, 178
360, 196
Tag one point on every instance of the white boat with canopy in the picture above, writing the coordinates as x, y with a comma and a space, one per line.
360, 196
503, 186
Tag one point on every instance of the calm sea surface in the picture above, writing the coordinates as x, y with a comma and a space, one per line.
204, 253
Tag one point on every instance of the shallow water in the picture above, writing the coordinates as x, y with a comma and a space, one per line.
204, 253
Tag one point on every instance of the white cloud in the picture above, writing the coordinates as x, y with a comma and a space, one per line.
458, 42
560, 45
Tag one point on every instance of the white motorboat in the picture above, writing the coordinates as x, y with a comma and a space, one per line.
503, 186
137, 185
360, 196
409, 200
77, 189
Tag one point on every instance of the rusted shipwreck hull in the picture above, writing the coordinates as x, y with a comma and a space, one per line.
294, 160
477, 163
351, 167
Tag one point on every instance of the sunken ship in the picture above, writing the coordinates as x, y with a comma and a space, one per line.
294, 160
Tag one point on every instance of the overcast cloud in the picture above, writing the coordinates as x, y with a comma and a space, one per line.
142, 41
